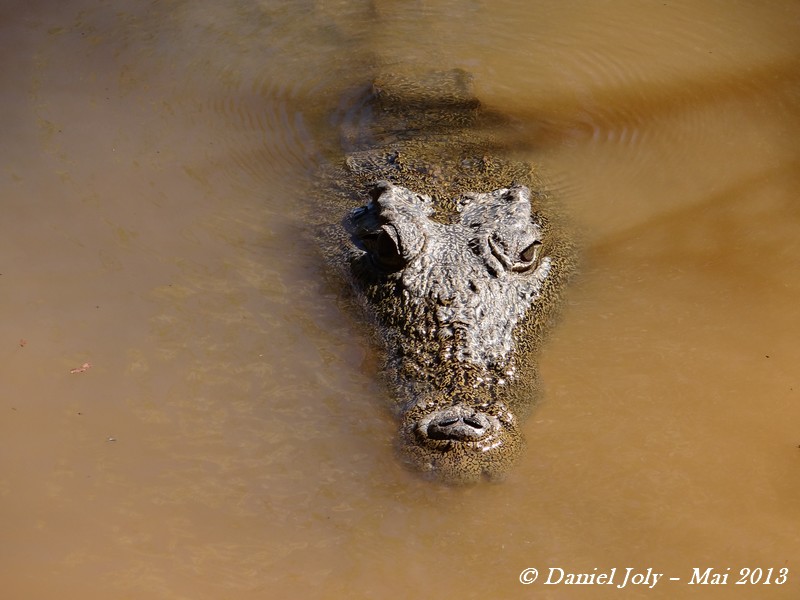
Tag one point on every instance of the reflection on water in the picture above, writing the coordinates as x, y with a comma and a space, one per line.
232, 439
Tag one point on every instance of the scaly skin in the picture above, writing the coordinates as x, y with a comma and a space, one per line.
460, 260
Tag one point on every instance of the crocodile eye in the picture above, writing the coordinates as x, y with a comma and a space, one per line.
384, 248
529, 253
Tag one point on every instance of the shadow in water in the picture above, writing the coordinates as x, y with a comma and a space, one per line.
732, 233
566, 118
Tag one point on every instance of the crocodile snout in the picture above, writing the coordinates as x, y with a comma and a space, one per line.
458, 424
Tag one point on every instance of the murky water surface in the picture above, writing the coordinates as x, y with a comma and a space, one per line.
228, 435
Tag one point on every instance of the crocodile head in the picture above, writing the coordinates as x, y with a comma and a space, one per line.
453, 296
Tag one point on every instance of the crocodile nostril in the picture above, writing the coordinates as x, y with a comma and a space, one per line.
457, 427
473, 422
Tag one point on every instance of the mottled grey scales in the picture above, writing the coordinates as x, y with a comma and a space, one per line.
458, 255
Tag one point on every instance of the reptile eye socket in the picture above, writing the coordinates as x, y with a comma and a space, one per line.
384, 248
529, 253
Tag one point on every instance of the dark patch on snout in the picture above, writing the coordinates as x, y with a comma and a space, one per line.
458, 423
461, 443
454, 424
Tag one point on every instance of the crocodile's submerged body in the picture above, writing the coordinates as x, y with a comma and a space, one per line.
455, 255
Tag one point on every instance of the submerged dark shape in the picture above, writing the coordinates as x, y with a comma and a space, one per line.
459, 260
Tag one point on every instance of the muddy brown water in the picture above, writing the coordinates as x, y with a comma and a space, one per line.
231, 438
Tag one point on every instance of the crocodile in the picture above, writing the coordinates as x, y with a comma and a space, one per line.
460, 257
